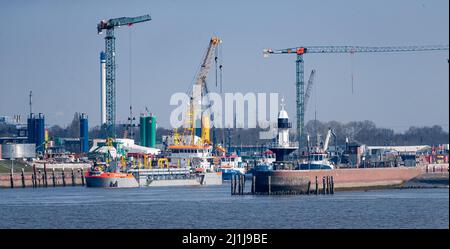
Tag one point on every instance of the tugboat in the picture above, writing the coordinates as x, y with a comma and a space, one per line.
231, 165
102, 175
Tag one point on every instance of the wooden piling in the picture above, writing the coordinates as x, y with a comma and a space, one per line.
45, 175
332, 185
231, 185
23, 178
32, 180
73, 178
235, 183
270, 184
39, 178
11, 177
239, 183
309, 187
328, 185
53, 177
317, 187
63, 178
35, 176
243, 184
323, 185
82, 177
253, 184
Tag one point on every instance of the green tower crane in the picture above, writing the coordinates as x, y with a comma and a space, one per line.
110, 52
300, 82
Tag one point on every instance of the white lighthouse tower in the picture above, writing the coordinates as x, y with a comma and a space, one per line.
282, 148
283, 127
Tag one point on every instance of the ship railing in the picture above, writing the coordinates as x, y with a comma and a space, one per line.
174, 171
290, 144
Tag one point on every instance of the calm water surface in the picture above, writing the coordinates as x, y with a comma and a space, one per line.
214, 207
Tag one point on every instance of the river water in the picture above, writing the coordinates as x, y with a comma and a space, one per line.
214, 207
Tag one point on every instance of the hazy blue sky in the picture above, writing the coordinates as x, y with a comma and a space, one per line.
52, 48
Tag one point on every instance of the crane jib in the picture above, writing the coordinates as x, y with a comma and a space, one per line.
355, 49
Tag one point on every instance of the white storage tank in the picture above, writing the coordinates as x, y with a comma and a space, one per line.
16, 151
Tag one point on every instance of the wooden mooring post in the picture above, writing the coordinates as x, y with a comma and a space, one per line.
239, 184
253, 184
332, 185
32, 180
270, 184
231, 185
82, 177
53, 177
11, 177
23, 178
328, 185
63, 178
34, 177
235, 184
73, 178
323, 185
317, 187
45, 176
243, 184
39, 178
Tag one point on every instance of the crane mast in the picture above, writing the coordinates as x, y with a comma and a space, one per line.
309, 87
300, 82
110, 52
201, 77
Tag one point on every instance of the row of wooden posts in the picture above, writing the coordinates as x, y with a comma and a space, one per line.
41, 180
238, 185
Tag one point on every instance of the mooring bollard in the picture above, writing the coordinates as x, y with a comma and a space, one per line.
323, 185
53, 177
11, 176
23, 178
63, 178
82, 177
270, 184
317, 187
45, 175
73, 178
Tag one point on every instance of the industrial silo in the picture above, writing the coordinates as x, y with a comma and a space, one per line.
40, 132
84, 133
30, 129
143, 131
150, 127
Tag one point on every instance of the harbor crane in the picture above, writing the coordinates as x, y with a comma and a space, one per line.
309, 87
195, 112
300, 51
110, 51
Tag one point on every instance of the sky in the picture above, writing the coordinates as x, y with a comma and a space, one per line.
52, 48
